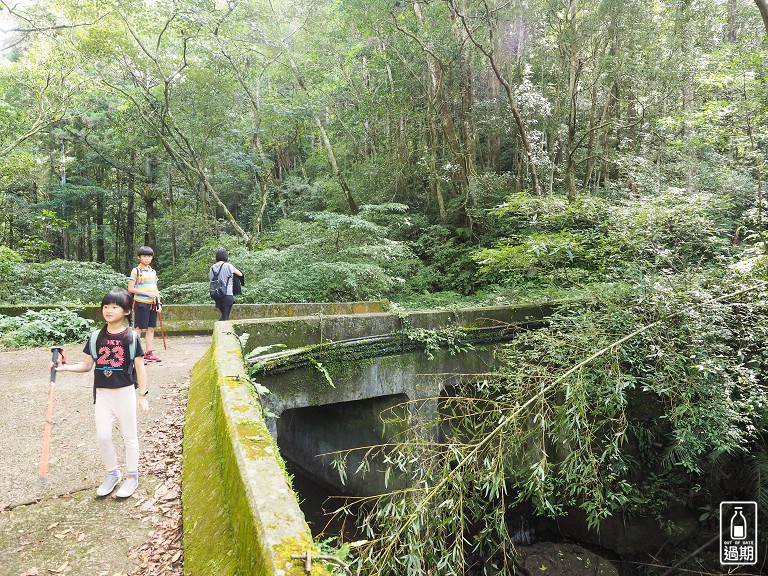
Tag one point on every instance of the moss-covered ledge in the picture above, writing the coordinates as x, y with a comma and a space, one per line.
200, 318
240, 515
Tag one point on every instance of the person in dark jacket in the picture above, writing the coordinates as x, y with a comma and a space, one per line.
226, 273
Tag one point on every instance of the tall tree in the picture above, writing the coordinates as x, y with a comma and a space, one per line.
762, 5
487, 41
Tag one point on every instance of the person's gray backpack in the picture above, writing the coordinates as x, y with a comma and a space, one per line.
218, 287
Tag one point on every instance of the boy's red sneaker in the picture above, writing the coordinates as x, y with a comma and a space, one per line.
149, 357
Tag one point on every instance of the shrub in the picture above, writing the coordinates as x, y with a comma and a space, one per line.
321, 282
61, 281
327, 257
679, 405
9, 264
187, 293
43, 328
591, 240
447, 261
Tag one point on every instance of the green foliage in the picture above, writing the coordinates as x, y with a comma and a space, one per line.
447, 261
627, 407
323, 258
309, 281
59, 281
591, 238
454, 339
674, 407
43, 328
9, 263
536, 251
35, 247
187, 293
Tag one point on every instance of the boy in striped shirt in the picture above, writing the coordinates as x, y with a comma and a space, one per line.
146, 298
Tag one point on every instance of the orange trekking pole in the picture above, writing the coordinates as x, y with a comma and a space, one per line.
49, 417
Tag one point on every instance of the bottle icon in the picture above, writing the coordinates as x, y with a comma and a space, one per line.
738, 525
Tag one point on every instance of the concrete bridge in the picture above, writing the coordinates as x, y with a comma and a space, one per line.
305, 398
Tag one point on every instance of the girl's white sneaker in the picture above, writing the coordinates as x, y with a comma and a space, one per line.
108, 485
128, 487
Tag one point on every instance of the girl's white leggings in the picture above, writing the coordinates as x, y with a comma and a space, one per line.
117, 405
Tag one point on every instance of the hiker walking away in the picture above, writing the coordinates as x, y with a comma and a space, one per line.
146, 300
223, 274
119, 385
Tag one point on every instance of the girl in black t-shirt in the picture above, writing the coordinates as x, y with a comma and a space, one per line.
115, 393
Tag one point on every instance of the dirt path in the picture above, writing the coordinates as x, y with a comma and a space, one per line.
61, 527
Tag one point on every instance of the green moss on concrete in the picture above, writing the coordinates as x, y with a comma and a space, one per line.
256, 436
207, 535
223, 531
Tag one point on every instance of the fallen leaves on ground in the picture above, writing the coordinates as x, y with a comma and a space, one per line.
161, 554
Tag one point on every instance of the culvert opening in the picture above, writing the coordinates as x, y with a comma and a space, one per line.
336, 453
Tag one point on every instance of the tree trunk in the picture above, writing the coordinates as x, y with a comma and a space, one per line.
469, 130
118, 225
130, 219
732, 23
590, 165
493, 139
172, 217
260, 208
762, 5
100, 252
150, 233
434, 177
436, 94
574, 71
353, 209
496, 67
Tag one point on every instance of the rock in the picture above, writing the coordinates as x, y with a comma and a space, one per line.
630, 535
563, 559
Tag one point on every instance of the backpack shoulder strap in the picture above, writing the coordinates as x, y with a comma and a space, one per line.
132, 346
92, 342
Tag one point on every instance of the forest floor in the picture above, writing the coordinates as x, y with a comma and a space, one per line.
59, 526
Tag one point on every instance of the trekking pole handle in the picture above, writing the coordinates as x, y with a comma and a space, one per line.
55, 360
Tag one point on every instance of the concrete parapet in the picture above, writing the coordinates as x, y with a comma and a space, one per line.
304, 331
200, 318
241, 516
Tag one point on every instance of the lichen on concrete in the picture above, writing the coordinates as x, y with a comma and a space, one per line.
240, 514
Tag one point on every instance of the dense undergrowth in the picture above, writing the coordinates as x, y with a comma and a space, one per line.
526, 249
674, 416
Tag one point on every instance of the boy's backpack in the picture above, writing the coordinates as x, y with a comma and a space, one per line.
218, 288
138, 276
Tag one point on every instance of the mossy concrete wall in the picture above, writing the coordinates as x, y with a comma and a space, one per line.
319, 329
200, 318
240, 514
241, 517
